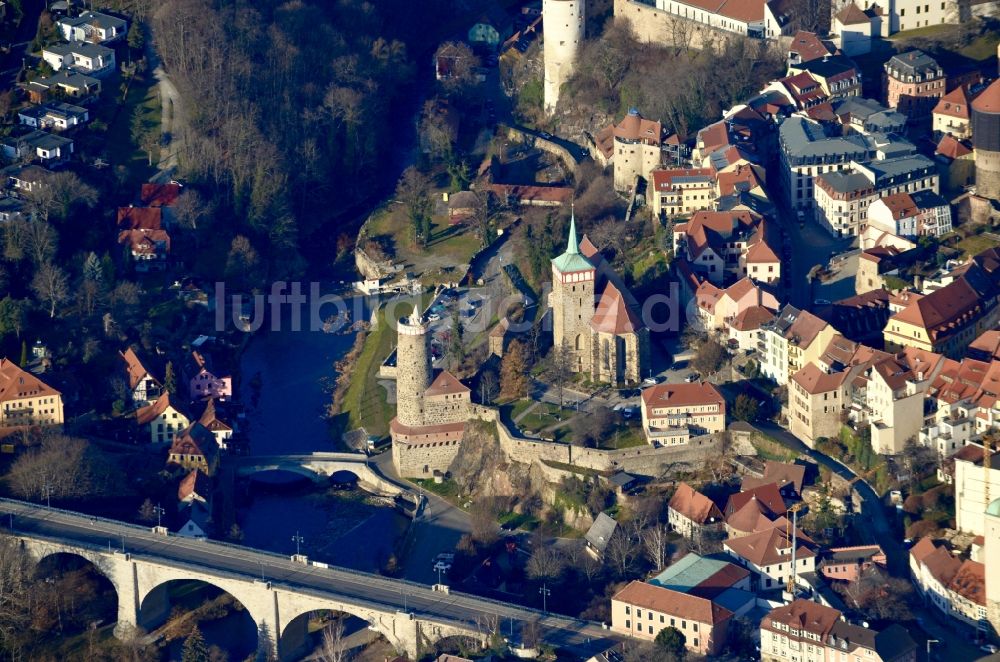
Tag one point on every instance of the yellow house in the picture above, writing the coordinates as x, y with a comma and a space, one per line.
947, 320
27, 400
164, 417
682, 190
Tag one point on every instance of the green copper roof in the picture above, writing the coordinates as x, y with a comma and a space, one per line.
994, 508
572, 259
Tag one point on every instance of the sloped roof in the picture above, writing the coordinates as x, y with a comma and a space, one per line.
751, 517
195, 484
804, 615
752, 318
601, 531
140, 218
210, 418
767, 495
815, 381
159, 195
635, 127
694, 505
446, 383
852, 15
135, 367
952, 147
195, 439
808, 46
16, 383
989, 100
779, 473
571, 260
955, 104
702, 576
675, 603
681, 395
613, 315
768, 547
149, 413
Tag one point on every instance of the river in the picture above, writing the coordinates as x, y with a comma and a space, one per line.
287, 377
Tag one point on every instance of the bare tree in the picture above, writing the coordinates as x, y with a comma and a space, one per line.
489, 386
484, 521
334, 645
190, 209
655, 543
621, 552
51, 286
546, 563
560, 369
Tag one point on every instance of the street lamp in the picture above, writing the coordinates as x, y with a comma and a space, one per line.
159, 515
298, 540
438, 568
47, 487
929, 642
544, 590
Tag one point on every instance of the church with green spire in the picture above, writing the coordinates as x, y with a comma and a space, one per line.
595, 316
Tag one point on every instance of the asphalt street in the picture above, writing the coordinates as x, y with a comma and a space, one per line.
581, 637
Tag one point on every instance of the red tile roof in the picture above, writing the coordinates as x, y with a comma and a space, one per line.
804, 615
682, 395
769, 547
694, 505
674, 603
446, 384
808, 46
159, 195
752, 318
613, 315
814, 381
146, 415
989, 100
952, 147
767, 495
852, 15
140, 218
779, 473
195, 484
954, 104
16, 383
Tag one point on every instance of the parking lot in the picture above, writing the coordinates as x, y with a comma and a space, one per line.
474, 311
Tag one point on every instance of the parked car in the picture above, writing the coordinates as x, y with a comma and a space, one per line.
988, 648
652, 381
692, 377
433, 317
545, 134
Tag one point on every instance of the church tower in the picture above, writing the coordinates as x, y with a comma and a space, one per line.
413, 370
563, 27
572, 301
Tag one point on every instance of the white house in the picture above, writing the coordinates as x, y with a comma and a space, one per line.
80, 56
91, 26
46, 147
56, 115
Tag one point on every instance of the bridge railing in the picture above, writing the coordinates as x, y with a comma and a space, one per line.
148, 535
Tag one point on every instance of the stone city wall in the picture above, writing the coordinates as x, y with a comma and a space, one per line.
645, 460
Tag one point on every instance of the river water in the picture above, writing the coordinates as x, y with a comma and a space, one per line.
287, 377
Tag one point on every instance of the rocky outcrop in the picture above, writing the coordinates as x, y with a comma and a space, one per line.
483, 469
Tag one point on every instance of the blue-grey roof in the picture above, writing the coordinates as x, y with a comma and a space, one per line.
846, 181
913, 63
601, 531
900, 169
98, 19
688, 573
735, 599
805, 141
81, 48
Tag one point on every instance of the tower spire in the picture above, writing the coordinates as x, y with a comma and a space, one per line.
572, 246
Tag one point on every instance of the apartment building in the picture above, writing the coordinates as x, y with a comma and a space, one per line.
806, 631
682, 191
673, 413
837, 75
868, 116
952, 115
948, 319
817, 402
954, 586
25, 399
806, 152
914, 82
720, 308
842, 198
791, 341
960, 407
768, 555
895, 394
911, 215
728, 244
642, 609
166, 417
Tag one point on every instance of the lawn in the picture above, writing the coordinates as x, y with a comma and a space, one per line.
121, 150
981, 48
449, 247
545, 415
365, 401
976, 243
625, 436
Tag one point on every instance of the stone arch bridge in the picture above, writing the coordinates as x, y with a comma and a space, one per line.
318, 466
277, 592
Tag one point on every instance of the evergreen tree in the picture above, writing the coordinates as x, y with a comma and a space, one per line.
24, 353
670, 643
455, 349
92, 269
195, 649
170, 379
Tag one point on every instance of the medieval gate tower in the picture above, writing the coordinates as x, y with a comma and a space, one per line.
563, 27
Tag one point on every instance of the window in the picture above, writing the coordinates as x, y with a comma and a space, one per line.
650, 629
628, 624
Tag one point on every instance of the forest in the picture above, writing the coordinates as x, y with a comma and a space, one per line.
299, 113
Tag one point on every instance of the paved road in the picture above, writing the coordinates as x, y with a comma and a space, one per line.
872, 507
580, 637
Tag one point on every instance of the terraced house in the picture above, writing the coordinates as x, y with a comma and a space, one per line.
947, 320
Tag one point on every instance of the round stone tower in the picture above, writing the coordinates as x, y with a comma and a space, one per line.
413, 370
563, 26
986, 138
